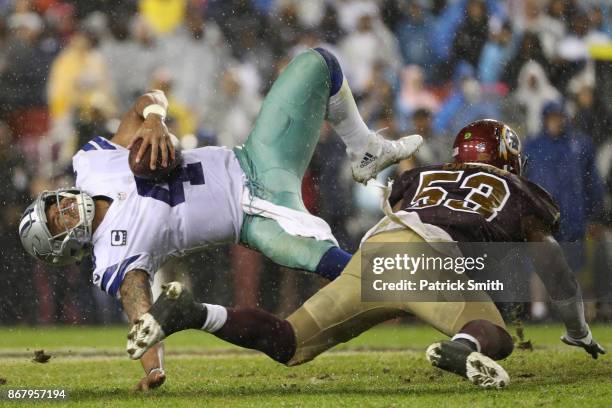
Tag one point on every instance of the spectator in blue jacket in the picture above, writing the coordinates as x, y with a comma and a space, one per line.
466, 103
496, 54
562, 160
414, 34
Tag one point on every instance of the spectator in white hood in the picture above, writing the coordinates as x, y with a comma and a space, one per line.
371, 43
533, 92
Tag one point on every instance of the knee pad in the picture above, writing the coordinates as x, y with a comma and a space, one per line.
335, 71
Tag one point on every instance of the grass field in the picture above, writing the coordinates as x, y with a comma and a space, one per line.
385, 367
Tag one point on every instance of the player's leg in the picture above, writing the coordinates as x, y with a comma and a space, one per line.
281, 145
477, 329
333, 315
336, 314
286, 132
322, 257
176, 310
368, 152
275, 158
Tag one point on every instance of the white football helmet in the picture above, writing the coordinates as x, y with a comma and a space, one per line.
66, 247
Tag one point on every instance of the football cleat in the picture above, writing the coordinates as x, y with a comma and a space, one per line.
380, 154
173, 311
460, 359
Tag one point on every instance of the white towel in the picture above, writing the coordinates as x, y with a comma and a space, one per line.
393, 221
293, 222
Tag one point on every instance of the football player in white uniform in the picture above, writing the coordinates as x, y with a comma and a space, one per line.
249, 195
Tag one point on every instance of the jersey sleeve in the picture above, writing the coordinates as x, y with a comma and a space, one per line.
401, 184
541, 205
99, 166
82, 170
110, 277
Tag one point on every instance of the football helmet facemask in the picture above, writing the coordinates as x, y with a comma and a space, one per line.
66, 247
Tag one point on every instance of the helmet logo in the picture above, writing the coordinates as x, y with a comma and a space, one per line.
511, 141
502, 148
467, 136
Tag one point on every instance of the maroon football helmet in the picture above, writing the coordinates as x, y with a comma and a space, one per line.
489, 141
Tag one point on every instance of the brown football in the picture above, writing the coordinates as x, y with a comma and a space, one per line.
143, 168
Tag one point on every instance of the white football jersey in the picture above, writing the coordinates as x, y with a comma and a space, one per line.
147, 222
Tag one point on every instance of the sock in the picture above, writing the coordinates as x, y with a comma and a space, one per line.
571, 312
489, 339
344, 118
216, 316
342, 112
332, 263
259, 330
188, 314
468, 340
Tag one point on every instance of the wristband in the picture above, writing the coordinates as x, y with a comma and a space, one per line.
156, 109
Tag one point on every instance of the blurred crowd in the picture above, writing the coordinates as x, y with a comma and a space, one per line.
70, 68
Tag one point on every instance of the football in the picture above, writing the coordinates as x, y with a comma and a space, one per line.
143, 170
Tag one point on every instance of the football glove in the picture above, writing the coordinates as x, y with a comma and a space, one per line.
587, 343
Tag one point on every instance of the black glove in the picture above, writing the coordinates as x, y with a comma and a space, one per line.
587, 343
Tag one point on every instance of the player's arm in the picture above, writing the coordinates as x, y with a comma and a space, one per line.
137, 299
561, 285
145, 120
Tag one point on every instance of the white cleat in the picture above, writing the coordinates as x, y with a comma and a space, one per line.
144, 334
381, 153
485, 372
460, 359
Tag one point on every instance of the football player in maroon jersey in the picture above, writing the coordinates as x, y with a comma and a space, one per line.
481, 197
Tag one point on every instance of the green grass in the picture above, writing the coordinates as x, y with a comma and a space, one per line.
385, 367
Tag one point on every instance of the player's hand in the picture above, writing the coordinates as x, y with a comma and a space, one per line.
587, 343
154, 132
154, 379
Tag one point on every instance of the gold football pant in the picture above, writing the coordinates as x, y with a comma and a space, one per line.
336, 314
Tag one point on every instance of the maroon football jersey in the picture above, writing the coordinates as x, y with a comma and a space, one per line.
474, 202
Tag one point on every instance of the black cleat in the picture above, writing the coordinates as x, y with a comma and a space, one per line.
460, 359
174, 310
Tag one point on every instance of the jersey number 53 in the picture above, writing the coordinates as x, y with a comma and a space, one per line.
486, 193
